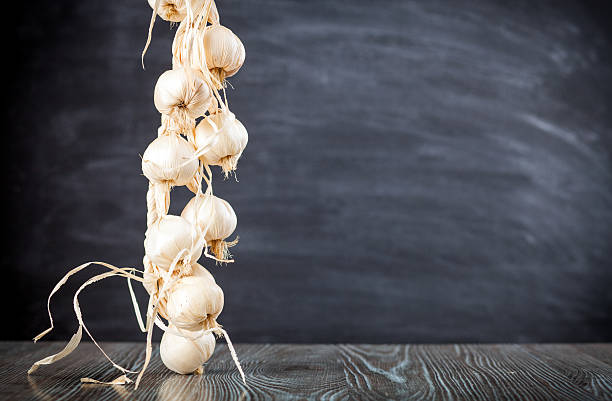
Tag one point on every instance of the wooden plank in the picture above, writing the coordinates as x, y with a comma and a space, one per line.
326, 372
603, 352
582, 369
470, 372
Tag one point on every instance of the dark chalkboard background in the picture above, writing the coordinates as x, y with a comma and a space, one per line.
416, 171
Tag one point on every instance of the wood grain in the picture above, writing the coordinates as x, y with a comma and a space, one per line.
324, 372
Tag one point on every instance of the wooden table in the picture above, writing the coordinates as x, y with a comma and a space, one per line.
334, 372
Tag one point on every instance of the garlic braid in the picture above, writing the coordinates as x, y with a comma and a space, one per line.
158, 202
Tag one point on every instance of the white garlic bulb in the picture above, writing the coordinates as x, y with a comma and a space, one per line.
182, 95
193, 303
169, 236
213, 214
169, 160
183, 355
231, 138
216, 219
175, 10
214, 48
224, 51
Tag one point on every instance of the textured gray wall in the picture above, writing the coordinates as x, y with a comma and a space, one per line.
416, 171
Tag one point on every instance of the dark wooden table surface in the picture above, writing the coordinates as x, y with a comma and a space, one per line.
334, 372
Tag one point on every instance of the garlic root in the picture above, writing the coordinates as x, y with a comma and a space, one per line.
220, 248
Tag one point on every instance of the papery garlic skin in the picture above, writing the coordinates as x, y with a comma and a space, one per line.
181, 95
169, 159
183, 355
224, 51
193, 303
175, 10
188, 50
213, 214
153, 278
224, 136
200, 271
168, 237
150, 276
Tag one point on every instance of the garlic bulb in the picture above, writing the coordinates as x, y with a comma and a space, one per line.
183, 355
169, 160
169, 236
193, 303
217, 220
182, 95
231, 138
224, 51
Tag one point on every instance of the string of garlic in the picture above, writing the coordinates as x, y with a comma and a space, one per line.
180, 290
